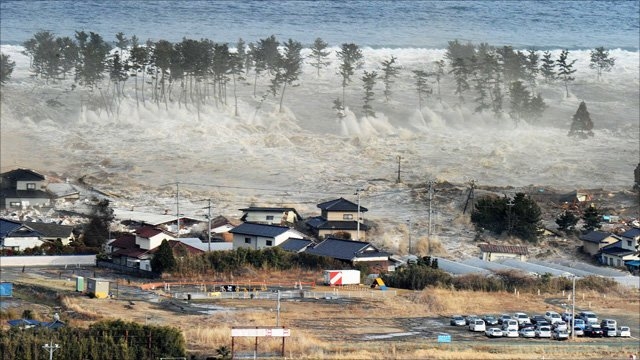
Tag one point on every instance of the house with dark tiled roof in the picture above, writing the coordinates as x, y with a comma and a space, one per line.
52, 232
352, 252
493, 252
623, 251
594, 241
136, 250
339, 217
22, 188
16, 236
296, 245
285, 216
260, 236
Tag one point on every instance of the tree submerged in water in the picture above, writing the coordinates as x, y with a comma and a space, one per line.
581, 124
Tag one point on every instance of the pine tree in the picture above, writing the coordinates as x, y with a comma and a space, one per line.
350, 56
422, 87
6, 68
547, 68
532, 68
565, 69
369, 81
566, 221
520, 98
581, 123
390, 71
591, 218
319, 54
439, 74
163, 259
290, 66
460, 72
601, 61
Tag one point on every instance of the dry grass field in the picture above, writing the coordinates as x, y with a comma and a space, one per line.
400, 325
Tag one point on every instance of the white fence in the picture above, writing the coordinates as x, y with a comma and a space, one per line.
54, 260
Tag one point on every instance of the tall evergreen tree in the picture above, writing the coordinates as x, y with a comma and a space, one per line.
44, 53
532, 68
422, 86
439, 74
241, 56
520, 97
138, 59
390, 71
319, 55
601, 61
460, 72
566, 221
565, 69
96, 232
547, 68
290, 66
350, 56
6, 68
456, 51
591, 218
163, 259
368, 82
581, 123
68, 50
92, 59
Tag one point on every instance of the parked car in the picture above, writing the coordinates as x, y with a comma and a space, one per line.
469, 318
543, 332
566, 316
624, 331
504, 317
510, 325
561, 325
510, 333
521, 318
589, 317
579, 323
560, 334
490, 320
525, 324
609, 332
493, 332
457, 320
477, 325
527, 332
537, 318
552, 317
593, 330
579, 331
610, 323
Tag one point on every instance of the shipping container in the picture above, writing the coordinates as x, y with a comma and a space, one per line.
341, 277
6, 289
98, 288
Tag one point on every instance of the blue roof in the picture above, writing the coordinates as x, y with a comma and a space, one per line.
631, 233
8, 226
345, 249
595, 236
341, 204
295, 245
22, 175
259, 230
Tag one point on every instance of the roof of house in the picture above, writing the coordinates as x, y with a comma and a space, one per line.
51, 230
125, 241
22, 175
259, 230
222, 220
345, 249
341, 204
279, 210
134, 252
631, 233
149, 232
11, 228
595, 236
295, 245
148, 218
320, 223
616, 250
177, 246
204, 246
25, 194
504, 249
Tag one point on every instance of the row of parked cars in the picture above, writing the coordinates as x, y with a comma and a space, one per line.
550, 325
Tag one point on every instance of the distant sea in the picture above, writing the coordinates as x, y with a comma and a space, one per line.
377, 24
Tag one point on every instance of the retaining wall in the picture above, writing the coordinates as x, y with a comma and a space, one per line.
54, 260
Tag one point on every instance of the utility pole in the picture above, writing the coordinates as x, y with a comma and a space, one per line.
51, 347
430, 212
409, 221
208, 221
358, 219
278, 311
573, 310
178, 208
470, 197
510, 205
399, 159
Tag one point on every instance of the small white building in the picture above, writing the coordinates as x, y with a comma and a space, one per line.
492, 252
260, 236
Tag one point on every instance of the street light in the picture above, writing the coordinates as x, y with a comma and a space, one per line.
51, 347
573, 310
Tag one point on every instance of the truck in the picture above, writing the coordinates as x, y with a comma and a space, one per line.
341, 277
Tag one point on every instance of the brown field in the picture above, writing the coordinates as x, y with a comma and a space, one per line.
400, 326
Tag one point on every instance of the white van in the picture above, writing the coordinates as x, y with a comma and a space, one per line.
477, 325
510, 325
589, 317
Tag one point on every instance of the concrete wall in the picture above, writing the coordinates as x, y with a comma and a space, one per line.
55, 260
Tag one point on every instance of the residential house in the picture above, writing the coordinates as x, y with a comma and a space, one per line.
136, 250
260, 236
137, 219
337, 218
285, 216
493, 252
594, 241
52, 232
296, 245
623, 251
204, 246
352, 252
22, 188
16, 236
220, 227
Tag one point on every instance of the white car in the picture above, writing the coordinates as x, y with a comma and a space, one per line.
543, 332
493, 332
527, 332
552, 317
510, 325
477, 325
624, 331
522, 318
579, 331
561, 325
589, 317
560, 334
510, 333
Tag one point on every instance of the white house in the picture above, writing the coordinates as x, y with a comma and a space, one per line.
260, 236
148, 238
492, 252
623, 250
18, 237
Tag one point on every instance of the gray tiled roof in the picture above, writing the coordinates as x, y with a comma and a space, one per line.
22, 175
320, 223
504, 249
295, 245
345, 249
341, 204
595, 236
259, 230
51, 230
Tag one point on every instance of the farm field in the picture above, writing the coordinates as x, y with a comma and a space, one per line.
360, 324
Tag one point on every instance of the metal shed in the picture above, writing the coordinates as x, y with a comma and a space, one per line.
98, 288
